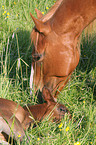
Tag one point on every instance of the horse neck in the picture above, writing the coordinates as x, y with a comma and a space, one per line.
69, 10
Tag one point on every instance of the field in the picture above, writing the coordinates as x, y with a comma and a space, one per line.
79, 95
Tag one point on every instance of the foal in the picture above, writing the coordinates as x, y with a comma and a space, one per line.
14, 119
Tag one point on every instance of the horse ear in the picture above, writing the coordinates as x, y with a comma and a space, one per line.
40, 26
46, 94
39, 13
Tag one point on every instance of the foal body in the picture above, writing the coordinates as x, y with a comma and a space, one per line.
14, 119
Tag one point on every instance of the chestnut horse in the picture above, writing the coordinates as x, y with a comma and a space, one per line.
14, 119
55, 37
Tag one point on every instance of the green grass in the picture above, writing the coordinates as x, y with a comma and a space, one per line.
79, 96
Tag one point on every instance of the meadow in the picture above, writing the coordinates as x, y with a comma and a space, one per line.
79, 95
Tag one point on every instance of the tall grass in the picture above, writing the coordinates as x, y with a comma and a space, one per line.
79, 95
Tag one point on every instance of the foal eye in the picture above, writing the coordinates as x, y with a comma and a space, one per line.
62, 109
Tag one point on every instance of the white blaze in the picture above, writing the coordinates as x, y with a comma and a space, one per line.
31, 79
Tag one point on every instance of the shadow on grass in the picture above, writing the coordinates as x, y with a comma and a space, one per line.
18, 52
87, 62
88, 54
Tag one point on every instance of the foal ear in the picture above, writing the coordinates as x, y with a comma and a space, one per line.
46, 94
